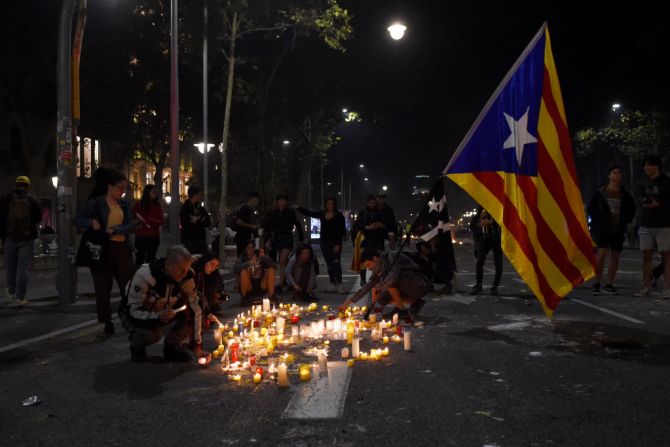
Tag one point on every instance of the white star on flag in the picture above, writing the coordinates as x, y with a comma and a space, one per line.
520, 135
435, 205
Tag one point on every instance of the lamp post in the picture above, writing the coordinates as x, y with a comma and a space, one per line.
205, 177
205, 104
174, 121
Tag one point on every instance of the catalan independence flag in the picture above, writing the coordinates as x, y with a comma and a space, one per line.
516, 161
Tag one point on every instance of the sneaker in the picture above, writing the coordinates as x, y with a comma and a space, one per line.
417, 305
109, 328
493, 291
138, 354
340, 288
609, 288
330, 288
596, 289
476, 290
174, 353
644, 292
21, 301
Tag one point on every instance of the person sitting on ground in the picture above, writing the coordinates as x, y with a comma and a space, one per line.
256, 275
209, 282
158, 297
396, 279
301, 273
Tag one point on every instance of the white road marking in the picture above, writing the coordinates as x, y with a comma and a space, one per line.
32, 340
607, 311
323, 397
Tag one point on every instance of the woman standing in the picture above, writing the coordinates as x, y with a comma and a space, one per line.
107, 210
278, 231
150, 217
332, 232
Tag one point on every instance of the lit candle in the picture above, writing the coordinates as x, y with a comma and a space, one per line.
202, 361
396, 338
215, 354
280, 324
217, 336
257, 378
364, 355
372, 318
282, 375
355, 347
385, 352
231, 334
323, 364
345, 353
395, 319
236, 378
408, 341
305, 373
350, 363
382, 325
266, 305
385, 339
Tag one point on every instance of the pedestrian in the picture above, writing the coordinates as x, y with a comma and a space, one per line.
209, 282
106, 209
161, 296
396, 280
244, 222
332, 233
195, 220
20, 214
150, 217
278, 233
487, 237
611, 209
654, 219
390, 222
301, 273
256, 275
370, 225
425, 258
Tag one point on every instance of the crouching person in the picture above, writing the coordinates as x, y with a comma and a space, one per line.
162, 302
394, 281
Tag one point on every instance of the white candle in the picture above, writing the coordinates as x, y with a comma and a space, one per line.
266, 305
355, 347
382, 325
280, 324
408, 341
395, 319
282, 376
323, 364
345, 353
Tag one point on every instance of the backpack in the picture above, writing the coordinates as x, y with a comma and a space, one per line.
19, 225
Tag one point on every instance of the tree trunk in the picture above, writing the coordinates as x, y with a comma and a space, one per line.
224, 146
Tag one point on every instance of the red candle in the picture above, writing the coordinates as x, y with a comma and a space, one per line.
295, 319
252, 360
259, 370
234, 350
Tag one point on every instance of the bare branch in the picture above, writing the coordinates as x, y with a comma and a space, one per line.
272, 28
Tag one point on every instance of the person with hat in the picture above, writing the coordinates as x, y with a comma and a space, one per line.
20, 214
611, 209
278, 234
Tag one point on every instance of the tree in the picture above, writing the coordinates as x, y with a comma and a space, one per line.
243, 17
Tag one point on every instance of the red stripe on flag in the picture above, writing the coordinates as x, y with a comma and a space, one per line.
551, 177
561, 126
545, 236
512, 221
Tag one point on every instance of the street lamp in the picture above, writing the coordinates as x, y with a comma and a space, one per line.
361, 165
168, 198
345, 110
616, 106
205, 174
54, 181
286, 142
397, 31
385, 188
201, 147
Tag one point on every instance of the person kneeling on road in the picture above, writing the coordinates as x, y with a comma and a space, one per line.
159, 297
394, 281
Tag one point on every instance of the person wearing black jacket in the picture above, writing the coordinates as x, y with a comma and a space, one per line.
244, 223
611, 209
209, 282
332, 232
487, 236
370, 222
195, 221
278, 234
388, 216
654, 220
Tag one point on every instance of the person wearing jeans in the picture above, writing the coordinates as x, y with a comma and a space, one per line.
20, 214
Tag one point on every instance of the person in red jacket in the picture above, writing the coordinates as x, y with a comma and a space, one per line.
149, 217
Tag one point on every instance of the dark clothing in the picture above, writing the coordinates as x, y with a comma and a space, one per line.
610, 215
151, 220
244, 234
209, 287
194, 220
118, 261
373, 238
332, 233
332, 229
98, 208
35, 214
146, 249
658, 189
388, 217
490, 231
279, 225
487, 237
445, 264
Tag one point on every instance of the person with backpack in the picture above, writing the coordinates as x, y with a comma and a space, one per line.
20, 214
107, 210
149, 213
244, 223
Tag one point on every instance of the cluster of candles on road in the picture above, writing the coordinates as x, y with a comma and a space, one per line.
263, 336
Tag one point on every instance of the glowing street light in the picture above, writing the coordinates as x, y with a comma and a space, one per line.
366, 179
361, 165
168, 198
345, 110
616, 106
54, 181
397, 31
385, 188
286, 142
201, 147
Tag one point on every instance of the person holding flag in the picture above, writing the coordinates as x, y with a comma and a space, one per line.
517, 162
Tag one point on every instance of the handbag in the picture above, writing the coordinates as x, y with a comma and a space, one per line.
92, 247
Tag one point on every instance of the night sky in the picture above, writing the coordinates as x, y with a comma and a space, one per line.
417, 96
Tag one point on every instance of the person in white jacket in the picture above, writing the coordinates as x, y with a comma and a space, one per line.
162, 302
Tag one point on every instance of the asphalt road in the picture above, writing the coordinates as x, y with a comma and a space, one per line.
482, 371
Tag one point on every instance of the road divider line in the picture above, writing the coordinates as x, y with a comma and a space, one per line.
323, 397
30, 341
607, 311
